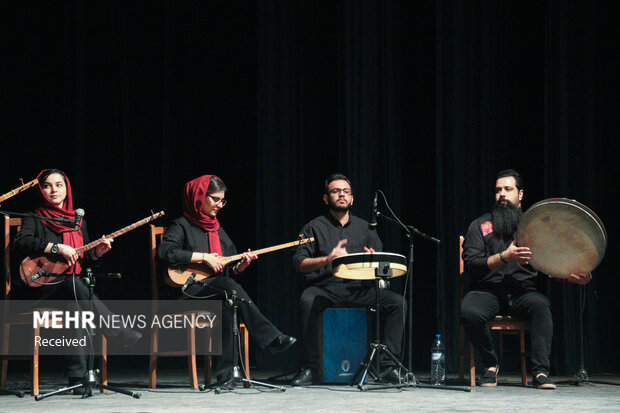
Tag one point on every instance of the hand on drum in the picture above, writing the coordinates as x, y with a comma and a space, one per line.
338, 251
580, 278
370, 250
521, 255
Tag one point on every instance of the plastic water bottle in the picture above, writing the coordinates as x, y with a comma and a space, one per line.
438, 362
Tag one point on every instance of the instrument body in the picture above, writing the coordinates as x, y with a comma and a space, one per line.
177, 276
564, 236
56, 264
363, 265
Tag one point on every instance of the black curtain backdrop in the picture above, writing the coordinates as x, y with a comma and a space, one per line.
423, 100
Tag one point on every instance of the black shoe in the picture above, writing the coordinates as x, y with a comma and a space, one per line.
304, 378
395, 376
128, 337
281, 343
72, 381
489, 378
544, 382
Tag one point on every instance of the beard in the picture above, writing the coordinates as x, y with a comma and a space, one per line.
505, 218
337, 208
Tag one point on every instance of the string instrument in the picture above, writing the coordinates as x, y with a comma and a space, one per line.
17, 190
178, 275
56, 263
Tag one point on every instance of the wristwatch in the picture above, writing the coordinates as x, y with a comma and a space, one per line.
54, 249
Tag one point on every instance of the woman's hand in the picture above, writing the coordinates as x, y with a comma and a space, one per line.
68, 253
247, 259
213, 261
105, 246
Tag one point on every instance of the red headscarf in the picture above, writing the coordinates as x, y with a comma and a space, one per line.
193, 199
49, 210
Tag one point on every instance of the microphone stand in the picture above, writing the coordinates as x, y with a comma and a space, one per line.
411, 231
89, 380
238, 374
62, 219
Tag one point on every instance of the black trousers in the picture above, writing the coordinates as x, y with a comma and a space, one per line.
478, 307
261, 330
67, 289
315, 299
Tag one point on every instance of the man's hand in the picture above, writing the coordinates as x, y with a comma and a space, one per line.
521, 255
338, 251
580, 278
370, 250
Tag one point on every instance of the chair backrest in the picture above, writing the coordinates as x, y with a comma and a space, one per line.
8, 225
156, 234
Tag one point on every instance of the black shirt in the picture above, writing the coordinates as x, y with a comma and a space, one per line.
183, 238
480, 243
327, 232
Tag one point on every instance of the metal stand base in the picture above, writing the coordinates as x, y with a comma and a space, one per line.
366, 369
17, 393
89, 382
236, 380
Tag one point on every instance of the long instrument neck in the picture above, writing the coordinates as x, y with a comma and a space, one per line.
232, 258
18, 190
118, 233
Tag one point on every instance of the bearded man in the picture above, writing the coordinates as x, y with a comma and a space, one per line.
337, 233
502, 281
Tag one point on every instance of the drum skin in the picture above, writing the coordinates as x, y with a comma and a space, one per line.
564, 236
363, 265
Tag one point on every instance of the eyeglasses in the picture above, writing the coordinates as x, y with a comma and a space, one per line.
217, 200
336, 191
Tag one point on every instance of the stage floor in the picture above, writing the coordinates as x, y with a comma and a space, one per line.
174, 396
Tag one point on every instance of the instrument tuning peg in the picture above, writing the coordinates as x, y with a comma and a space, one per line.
301, 237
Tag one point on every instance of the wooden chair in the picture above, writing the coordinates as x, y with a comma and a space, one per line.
504, 325
11, 225
156, 235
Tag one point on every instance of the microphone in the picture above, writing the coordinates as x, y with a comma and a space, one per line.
373, 216
79, 213
189, 281
38, 275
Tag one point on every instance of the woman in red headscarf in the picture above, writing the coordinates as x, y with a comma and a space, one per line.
197, 237
38, 237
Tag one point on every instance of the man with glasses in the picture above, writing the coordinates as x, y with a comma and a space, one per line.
337, 233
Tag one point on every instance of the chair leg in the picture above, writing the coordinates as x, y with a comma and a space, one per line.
461, 354
501, 348
3, 372
191, 357
472, 366
523, 367
35, 366
245, 350
208, 370
153, 358
104, 362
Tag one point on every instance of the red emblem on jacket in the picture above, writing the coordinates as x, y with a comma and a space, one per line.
487, 228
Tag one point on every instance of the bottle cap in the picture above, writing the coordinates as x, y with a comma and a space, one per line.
438, 335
